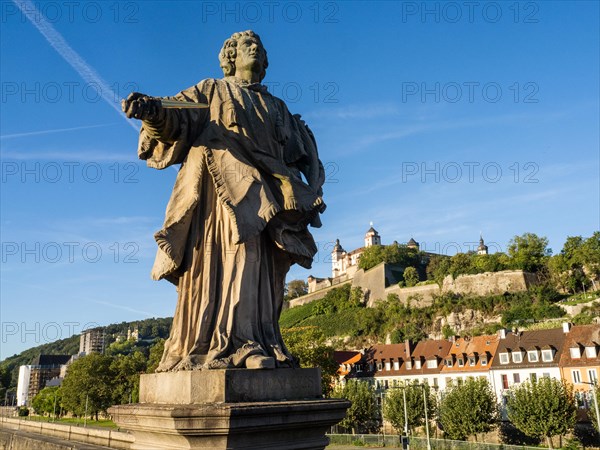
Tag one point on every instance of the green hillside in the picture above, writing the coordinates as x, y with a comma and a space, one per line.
149, 330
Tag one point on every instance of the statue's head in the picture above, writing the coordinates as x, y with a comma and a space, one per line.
229, 53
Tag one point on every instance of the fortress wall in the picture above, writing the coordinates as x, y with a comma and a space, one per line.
424, 293
373, 283
490, 283
317, 295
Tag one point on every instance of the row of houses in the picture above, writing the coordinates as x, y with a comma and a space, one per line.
505, 359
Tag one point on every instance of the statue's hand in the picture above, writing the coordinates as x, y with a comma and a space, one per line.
141, 106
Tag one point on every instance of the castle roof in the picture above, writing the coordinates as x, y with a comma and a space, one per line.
337, 247
372, 231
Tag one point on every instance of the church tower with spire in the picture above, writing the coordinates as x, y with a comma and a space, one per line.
372, 237
482, 249
338, 259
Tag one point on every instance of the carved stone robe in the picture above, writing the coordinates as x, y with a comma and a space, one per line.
248, 187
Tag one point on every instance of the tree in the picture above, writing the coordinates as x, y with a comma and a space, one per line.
411, 276
468, 408
489, 263
127, 370
391, 254
542, 408
295, 289
48, 401
528, 252
90, 380
156, 352
393, 410
590, 257
362, 414
5, 379
437, 268
307, 344
460, 264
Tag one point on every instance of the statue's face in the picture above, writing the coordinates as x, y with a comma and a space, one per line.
250, 55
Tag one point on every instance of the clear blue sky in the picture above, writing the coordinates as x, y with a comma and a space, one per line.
435, 121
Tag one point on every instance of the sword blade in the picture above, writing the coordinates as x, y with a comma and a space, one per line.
182, 104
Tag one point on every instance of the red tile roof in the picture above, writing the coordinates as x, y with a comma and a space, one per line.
581, 336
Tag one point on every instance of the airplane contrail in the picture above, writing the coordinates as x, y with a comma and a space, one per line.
54, 130
59, 44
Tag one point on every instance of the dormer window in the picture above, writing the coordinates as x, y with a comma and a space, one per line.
517, 357
484, 360
590, 351
547, 355
532, 356
575, 352
408, 365
461, 362
396, 365
448, 362
418, 364
472, 360
504, 358
379, 366
388, 365
431, 363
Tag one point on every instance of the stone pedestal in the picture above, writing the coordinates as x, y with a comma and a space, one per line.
231, 409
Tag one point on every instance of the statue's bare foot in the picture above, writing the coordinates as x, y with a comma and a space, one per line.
260, 362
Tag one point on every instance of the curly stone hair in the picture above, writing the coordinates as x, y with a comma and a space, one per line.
228, 53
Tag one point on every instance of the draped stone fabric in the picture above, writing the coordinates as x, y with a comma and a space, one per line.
248, 187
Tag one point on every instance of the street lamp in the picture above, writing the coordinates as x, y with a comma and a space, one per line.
426, 418
595, 397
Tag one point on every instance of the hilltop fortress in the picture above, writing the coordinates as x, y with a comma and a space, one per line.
383, 279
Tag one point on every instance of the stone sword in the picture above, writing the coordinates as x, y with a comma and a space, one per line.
181, 104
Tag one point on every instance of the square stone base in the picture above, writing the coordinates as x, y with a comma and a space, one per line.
231, 409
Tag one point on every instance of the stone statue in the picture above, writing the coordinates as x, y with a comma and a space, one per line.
249, 185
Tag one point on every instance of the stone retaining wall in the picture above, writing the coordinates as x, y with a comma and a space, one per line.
20, 434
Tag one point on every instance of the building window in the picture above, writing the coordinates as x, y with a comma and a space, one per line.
408, 365
592, 376
547, 355
546, 375
484, 360
516, 378
431, 364
504, 381
418, 364
396, 365
533, 377
576, 374
449, 362
517, 357
472, 360
461, 362
435, 382
379, 366
388, 366
590, 352
575, 352
532, 356
504, 358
